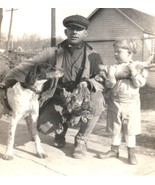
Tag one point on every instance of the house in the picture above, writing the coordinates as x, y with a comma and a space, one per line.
109, 24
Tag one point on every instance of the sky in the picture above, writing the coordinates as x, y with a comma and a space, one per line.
30, 20
38, 21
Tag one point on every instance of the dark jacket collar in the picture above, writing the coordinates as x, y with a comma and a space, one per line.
65, 43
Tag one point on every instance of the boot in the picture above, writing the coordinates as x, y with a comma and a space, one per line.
114, 152
80, 150
80, 147
131, 156
59, 140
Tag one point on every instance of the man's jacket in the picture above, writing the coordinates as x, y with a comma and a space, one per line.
54, 56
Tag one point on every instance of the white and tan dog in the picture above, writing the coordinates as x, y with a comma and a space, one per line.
25, 104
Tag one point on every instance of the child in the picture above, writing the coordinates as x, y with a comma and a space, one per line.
123, 114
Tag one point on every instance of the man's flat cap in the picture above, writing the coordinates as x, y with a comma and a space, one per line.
76, 20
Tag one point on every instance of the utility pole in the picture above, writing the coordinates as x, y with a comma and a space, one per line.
1, 18
53, 27
9, 34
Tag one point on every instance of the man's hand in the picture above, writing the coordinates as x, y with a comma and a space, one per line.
2, 85
111, 71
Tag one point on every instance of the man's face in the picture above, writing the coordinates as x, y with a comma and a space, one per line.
75, 34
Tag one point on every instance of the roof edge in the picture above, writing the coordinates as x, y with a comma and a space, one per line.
129, 19
125, 15
93, 13
119, 12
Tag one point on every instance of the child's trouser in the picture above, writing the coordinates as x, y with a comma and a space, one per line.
130, 140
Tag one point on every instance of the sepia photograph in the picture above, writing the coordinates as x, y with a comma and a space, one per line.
77, 91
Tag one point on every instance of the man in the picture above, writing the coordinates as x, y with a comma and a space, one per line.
80, 63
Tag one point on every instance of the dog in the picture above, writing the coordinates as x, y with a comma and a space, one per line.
23, 98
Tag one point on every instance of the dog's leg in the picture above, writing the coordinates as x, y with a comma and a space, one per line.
11, 136
28, 123
32, 127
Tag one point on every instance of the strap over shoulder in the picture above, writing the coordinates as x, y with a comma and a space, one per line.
59, 57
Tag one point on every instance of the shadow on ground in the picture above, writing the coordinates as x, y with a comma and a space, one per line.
21, 132
145, 143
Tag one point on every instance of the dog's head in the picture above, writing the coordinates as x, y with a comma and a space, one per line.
53, 72
42, 71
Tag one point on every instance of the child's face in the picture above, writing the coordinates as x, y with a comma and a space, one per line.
122, 55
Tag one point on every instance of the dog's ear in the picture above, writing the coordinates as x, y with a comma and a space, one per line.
42, 69
31, 76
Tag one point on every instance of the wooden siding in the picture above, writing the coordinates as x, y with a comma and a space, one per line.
106, 51
107, 25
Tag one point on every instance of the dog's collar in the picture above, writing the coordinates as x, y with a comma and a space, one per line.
34, 90
30, 88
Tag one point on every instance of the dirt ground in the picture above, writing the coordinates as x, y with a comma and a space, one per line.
60, 161
145, 141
